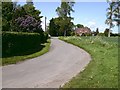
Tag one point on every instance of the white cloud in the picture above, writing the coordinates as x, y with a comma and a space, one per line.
115, 23
91, 24
101, 28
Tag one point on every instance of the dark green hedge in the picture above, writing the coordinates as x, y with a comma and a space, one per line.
19, 43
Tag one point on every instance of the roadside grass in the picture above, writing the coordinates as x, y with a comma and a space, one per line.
102, 71
16, 59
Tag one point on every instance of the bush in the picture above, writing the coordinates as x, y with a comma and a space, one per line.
72, 33
114, 34
101, 34
88, 34
19, 43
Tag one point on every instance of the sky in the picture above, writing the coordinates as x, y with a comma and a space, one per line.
90, 14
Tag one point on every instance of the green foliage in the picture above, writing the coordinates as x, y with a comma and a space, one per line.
106, 32
102, 71
80, 26
60, 27
97, 32
31, 11
87, 34
7, 12
53, 28
27, 19
72, 33
113, 12
115, 34
19, 12
101, 34
64, 19
65, 26
12, 12
14, 59
65, 9
17, 44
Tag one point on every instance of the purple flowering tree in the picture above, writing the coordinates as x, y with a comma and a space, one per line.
28, 24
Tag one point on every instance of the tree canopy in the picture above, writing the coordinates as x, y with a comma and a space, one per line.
80, 26
113, 12
21, 18
7, 13
64, 19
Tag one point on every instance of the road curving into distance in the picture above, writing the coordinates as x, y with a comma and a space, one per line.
50, 70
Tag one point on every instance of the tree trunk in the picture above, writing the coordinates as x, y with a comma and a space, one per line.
118, 28
109, 31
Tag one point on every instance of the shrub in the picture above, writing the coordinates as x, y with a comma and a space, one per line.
88, 34
72, 33
19, 43
114, 34
101, 34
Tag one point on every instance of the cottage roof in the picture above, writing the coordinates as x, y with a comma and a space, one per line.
82, 30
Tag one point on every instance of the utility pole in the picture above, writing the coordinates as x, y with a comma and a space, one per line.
45, 24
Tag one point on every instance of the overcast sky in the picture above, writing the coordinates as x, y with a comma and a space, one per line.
91, 14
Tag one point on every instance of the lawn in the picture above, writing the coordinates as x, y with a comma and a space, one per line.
15, 59
102, 71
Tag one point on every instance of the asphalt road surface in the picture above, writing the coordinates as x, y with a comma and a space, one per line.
50, 70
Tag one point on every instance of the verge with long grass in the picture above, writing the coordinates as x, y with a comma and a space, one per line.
102, 71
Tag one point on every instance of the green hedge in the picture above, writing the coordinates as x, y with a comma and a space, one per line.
19, 43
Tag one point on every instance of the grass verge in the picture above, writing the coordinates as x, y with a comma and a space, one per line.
16, 59
102, 71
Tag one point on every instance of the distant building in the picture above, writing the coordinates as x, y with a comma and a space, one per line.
83, 31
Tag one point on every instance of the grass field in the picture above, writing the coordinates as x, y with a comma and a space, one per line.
102, 71
16, 59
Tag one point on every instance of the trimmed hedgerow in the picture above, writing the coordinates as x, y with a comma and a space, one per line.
19, 43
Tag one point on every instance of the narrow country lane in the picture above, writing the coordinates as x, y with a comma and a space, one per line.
50, 70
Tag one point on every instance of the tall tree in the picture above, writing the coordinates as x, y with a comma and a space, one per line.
65, 9
30, 10
97, 31
27, 18
109, 20
113, 13
64, 12
53, 28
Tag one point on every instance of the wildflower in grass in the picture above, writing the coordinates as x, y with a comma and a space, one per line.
92, 42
